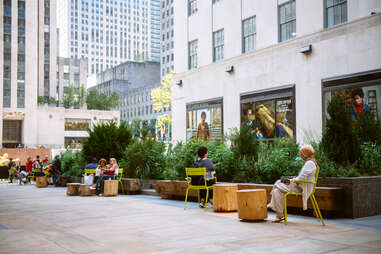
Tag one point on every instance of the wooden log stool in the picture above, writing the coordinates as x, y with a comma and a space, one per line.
73, 189
225, 197
110, 188
84, 190
41, 182
252, 204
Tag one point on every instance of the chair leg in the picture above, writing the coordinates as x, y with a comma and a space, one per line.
198, 197
186, 198
314, 207
317, 208
285, 209
121, 184
206, 199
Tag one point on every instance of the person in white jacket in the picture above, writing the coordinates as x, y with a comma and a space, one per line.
307, 173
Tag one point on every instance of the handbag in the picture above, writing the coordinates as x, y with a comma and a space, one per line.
89, 180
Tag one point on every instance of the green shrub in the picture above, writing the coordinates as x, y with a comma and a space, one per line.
370, 162
107, 140
368, 128
223, 160
243, 142
72, 163
339, 140
145, 158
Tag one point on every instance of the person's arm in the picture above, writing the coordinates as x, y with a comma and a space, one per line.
308, 169
209, 165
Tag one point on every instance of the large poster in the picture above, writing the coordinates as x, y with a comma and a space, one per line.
269, 118
204, 121
359, 100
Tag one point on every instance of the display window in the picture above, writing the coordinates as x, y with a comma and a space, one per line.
77, 124
270, 114
204, 121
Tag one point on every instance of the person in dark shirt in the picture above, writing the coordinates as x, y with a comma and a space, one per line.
204, 162
56, 170
93, 164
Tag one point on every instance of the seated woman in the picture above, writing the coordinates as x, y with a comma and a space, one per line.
109, 173
204, 162
307, 173
102, 166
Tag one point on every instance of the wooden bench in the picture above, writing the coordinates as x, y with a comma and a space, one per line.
330, 199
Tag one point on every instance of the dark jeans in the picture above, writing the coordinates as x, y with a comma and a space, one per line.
56, 179
200, 181
101, 180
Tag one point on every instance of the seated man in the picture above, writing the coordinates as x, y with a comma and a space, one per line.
93, 164
204, 162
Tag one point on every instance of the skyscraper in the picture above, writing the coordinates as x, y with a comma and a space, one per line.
107, 32
155, 30
167, 37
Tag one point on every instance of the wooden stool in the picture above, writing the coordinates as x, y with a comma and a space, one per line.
41, 182
110, 188
73, 189
252, 204
85, 191
225, 197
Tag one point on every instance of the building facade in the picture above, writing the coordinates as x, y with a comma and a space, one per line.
155, 30
70, 72
272, 66
167, 36
107, 33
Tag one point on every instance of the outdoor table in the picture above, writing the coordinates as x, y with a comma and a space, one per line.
225, 197
252, 204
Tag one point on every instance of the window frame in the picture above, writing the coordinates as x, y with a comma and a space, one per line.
190, 66
253, 34
325, 4
279, 21
218, 46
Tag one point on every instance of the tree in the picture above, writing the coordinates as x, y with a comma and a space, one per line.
94, 100
162, 98
68, 97
107, 140
339, 140
81, 96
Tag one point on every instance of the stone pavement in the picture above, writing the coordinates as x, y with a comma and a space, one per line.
45, 220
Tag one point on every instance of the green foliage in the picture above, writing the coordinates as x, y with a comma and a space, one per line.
339, 140
94, 100
107, 140
46, 100
370, 162
52, 101
243, 142
144, 158
72, 163
368, 128
68, 96
41, 100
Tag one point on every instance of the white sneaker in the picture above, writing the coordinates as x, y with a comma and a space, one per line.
92, 188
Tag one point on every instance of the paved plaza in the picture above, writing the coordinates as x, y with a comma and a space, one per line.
45, 220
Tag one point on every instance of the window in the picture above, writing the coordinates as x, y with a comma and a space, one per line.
216, 1
192, 7
269, 114
335, 12
362, 93
192, 54
204, 121
249, 34
218, 45
287, 21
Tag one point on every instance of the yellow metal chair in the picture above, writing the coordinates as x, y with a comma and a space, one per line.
120, 175
87, 171
12, 175
197, 172
33, 174
312, 198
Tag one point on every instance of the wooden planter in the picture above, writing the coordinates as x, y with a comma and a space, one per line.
174, 188
76, 179
131, 186
63, 180
361, 195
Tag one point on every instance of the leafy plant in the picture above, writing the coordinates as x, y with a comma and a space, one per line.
95, 100
107, 140
52, 101
72, 163
243, 142
339, 140
370, 162
144, 158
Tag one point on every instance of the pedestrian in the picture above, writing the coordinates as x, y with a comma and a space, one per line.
56, 170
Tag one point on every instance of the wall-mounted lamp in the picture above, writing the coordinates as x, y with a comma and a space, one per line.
229, 68
306, 49
179, 82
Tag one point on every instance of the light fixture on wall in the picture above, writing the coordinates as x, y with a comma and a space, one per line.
229, 68
306, 49
179, 82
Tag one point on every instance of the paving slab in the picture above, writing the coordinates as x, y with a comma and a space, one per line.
34, 220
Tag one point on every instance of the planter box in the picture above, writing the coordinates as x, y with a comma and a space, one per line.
174, 188
76, 179
361, 194
130, 186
